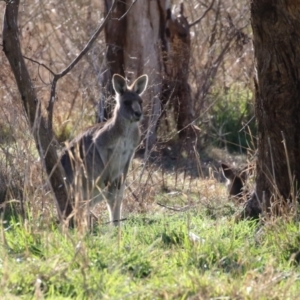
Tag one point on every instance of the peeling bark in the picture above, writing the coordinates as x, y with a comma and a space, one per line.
177, 65
133, 50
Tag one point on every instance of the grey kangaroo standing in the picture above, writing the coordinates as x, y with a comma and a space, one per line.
101, 155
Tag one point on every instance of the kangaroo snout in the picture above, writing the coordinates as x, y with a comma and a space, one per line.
138, 115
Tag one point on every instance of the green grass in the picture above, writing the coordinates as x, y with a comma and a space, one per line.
152, 257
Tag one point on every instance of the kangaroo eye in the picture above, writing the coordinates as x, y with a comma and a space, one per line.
127, 103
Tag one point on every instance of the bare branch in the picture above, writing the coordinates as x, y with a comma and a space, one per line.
74, 63
133, 194
89, 44
40, 65
204, 14
119, 19
35, 61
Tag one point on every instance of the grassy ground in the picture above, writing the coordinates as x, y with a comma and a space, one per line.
201, 253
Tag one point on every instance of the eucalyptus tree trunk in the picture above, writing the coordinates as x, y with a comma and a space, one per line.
149, 39
277, 51
133, 48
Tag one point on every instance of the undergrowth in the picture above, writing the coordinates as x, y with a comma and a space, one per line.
183, 255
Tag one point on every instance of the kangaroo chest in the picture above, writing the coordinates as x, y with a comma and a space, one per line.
118, 157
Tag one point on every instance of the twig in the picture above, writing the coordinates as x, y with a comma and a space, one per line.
289, 169
287, 158
35, 61
181, 209
39, 65
247, 124
133, 194
112, 222
119, 19
272, 161
204, 14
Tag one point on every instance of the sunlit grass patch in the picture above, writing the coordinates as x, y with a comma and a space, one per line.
152, 256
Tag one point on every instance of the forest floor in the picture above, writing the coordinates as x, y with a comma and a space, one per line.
180, 240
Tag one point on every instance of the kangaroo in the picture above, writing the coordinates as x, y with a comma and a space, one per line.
235, 181
101, 155
240, 193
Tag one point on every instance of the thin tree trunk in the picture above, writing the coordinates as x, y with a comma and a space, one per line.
177, 66
115, 36
277, 51
142, 55
40, 128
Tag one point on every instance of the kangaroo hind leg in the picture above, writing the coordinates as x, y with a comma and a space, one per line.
114, 197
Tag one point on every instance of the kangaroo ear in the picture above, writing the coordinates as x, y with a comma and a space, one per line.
140, 84
227, 172
119, 84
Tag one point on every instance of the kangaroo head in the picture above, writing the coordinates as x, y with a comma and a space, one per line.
129, 101
235, 181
